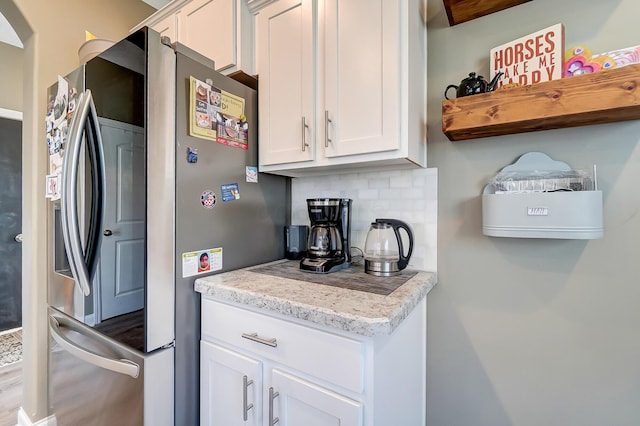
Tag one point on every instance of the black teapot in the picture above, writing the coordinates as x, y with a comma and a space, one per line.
473, 85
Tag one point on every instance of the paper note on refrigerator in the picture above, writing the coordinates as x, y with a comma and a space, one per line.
232, 126
204, 105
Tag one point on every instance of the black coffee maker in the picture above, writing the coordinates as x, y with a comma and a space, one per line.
329, 244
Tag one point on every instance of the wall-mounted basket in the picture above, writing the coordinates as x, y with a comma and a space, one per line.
563, 213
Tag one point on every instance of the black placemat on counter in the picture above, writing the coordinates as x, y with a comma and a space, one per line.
353, 278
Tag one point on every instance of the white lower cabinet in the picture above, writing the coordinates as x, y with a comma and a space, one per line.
299, 402
230, 387
259, 368
235, 391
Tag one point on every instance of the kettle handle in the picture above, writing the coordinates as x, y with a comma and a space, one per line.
445, 95
397, 224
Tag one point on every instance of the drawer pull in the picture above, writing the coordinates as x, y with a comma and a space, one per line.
264, 341
245, 407
272, 395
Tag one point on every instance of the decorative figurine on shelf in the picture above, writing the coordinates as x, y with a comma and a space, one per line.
578, 61
474, 84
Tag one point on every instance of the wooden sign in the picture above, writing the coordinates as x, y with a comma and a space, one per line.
531, 59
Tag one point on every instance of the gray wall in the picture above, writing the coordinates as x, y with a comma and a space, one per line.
533, 332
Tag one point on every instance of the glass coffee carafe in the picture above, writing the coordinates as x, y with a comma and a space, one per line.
383, 249
329, 241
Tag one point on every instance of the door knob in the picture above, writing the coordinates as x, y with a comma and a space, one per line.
18, 238
107, 233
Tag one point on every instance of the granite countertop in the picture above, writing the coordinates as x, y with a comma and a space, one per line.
332, 305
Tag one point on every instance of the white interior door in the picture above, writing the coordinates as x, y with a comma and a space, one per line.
122, 262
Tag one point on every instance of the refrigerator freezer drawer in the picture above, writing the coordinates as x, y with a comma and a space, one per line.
95, 381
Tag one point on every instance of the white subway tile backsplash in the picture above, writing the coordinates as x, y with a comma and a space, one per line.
412, 193
402, 181
407, 195
357, 184
368, 194
378, 182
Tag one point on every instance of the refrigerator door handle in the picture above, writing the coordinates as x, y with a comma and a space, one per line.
82, 263
96, 155
122, 366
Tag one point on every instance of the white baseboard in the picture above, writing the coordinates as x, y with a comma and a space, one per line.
24, 420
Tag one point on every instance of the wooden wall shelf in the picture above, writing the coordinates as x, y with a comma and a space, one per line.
459, 11
602, 97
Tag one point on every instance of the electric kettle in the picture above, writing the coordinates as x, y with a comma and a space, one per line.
383, 249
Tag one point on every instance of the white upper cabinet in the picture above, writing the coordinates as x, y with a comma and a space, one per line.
221, 30
342, 85
167, 26
359, 61
286, 101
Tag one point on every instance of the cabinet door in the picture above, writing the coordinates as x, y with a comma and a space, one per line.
210, 28
167, 27
285, 65
361, 63
230, 383
299, 402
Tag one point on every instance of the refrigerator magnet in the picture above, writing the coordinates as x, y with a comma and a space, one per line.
251, 173
201, 261
52, 187
192, 155
208, 199
230, 192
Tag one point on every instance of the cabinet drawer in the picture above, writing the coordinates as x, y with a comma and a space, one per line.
327, 356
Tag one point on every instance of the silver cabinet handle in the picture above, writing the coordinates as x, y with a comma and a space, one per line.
18, 238
245, 408
264, 341
327, 120
272, 395
305, 126
122, 366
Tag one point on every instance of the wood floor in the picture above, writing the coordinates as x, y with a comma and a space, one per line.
10, 393
10, 376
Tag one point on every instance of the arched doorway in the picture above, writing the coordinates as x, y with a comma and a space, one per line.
11, 49
33, 403
11, 105
10, 227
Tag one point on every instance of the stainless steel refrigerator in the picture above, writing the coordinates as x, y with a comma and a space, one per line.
153, 183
